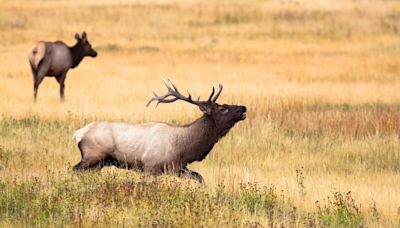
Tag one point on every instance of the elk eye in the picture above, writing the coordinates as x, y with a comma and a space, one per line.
223, 110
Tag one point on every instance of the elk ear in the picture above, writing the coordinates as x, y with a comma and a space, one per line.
84, 35
206, 109
77, 36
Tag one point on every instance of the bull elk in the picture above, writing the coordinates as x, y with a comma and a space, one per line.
56, 59
158, 147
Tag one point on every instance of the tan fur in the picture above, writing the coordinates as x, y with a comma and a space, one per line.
150, 144
37, 53
78, 135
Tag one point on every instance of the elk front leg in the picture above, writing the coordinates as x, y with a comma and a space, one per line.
61, 80
192, 174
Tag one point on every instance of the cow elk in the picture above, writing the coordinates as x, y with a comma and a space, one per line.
158, 147
56, 59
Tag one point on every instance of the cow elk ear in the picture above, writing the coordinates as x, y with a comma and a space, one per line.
206, 109
84, 36
77, 36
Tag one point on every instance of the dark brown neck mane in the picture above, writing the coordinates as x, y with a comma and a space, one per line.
76, 54
199, 138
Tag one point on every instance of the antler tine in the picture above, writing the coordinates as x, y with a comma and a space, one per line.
152, 99
148, 103
173, 85
166, 101
165, 83
189, 95
161, 99
212, 93
220, 87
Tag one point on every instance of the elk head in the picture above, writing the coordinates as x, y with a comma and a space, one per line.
85, 44
224, 116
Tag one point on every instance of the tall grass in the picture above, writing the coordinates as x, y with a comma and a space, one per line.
114, 199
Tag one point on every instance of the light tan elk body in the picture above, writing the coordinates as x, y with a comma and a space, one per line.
158, 147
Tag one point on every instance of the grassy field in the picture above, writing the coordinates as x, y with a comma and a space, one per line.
320, 79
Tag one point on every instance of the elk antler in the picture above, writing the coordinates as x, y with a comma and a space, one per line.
176, 95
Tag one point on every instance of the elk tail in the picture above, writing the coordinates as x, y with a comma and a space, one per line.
36, 54
79, 134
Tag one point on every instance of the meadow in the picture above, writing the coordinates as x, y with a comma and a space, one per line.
320, 146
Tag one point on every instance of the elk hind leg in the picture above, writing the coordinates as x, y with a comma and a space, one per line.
39, 76
34, 72
89, 162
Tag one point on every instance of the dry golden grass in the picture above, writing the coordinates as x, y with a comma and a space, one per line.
321, 81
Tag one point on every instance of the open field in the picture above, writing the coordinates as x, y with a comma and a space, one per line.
320, 79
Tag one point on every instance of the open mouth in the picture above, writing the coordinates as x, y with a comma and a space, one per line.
243, 116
